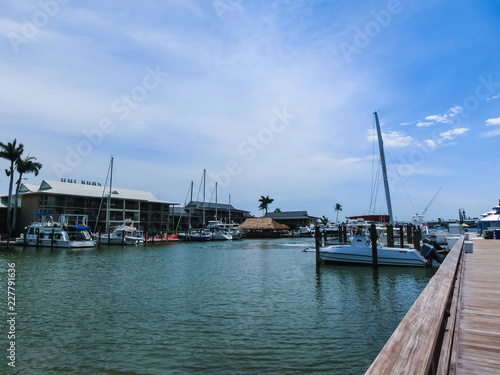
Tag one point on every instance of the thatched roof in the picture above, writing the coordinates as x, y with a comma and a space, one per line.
263, 223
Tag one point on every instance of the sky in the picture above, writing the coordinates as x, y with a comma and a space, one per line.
272, 98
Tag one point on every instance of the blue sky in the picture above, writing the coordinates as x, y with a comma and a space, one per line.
271, 97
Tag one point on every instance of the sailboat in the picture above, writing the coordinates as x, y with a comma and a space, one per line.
123, 234
360, 249
216, 227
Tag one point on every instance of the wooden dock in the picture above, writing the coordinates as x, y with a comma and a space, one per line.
454, 325
477, 350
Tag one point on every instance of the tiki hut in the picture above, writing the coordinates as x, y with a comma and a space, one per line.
263, 227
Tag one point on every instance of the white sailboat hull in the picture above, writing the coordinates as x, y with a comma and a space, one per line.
363, 255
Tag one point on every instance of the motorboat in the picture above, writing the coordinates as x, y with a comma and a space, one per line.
360, 252
57, 230
218, 231
124, 234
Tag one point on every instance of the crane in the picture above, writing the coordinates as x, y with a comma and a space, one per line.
432, 200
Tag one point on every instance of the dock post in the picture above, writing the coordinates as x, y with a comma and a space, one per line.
390, 235
123, 237
401, 236
52, 240
25, 236
99, 237
317, 237
416, 239
345, 233
37, 237
340, 231
325, 237
409, 233
373, 238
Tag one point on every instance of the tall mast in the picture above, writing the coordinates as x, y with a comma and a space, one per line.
229, 210
108, 213
215, 200
190, 207
384, 170
204, 175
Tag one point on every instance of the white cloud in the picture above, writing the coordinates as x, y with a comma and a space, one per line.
493, 98
391, 138
490, 134
453, 132
422, 124
438, 118
455, 110
493, 121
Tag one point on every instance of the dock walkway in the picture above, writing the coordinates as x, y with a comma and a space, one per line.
454, 325
477, 350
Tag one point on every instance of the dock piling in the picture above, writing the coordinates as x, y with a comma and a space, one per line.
317, 237
401, 236
390, 235
373, 238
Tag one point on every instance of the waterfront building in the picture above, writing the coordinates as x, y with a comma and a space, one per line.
294, 219
90, 198
181, 214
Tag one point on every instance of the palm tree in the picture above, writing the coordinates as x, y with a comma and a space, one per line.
337, 208
264, 203
277, 210
324, 220
23, 166
12, 152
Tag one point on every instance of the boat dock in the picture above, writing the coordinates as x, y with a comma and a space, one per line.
454, 325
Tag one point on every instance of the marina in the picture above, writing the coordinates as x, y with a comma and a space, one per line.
246, 307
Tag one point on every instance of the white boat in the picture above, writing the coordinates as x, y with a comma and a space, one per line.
218, 231
360, 249
123, 234
57, 230
360, 252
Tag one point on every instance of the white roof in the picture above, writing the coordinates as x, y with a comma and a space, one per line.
68, 188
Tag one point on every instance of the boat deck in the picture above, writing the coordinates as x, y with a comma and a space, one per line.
477, 349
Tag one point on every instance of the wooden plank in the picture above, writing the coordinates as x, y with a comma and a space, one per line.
410, 348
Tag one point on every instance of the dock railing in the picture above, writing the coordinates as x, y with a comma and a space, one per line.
422, 343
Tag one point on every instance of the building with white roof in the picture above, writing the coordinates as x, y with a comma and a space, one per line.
87, 198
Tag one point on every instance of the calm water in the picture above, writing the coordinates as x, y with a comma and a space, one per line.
241, 307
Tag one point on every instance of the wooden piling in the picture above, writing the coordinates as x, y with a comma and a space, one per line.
373, 239
390, 235
409, 233
401, 236
417, 236
345, 234
37, 237
317, 237
52, 240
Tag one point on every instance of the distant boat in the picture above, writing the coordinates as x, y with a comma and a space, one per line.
58, 230
123, 234
218, 232
360, 249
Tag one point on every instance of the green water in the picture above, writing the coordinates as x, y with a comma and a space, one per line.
240, 307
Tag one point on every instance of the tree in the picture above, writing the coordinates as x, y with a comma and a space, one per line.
337, 208
23, 166
324, 220
277, 210
264, 203
12, 152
